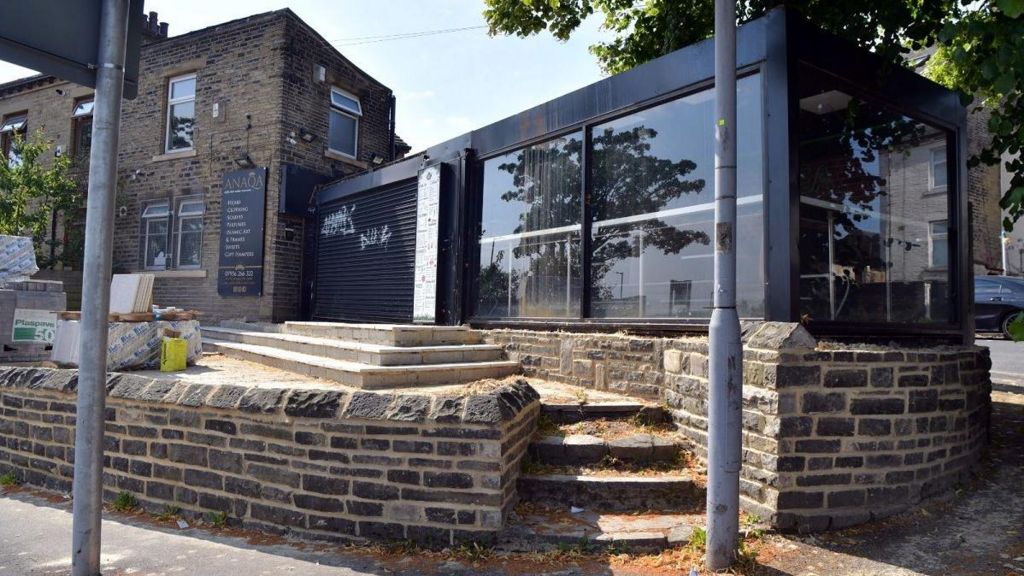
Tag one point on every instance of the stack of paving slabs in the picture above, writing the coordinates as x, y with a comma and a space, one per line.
131, 293
17, 259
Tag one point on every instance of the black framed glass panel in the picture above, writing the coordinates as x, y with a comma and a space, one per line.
530, 234
653, 209
874, 209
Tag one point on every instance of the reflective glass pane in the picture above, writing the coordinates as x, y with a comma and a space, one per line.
867, 250
156, 243
939, 173
342, 101
184, 88
342, 136
653, 209
182, 122
191, 242
530, 233
83, 108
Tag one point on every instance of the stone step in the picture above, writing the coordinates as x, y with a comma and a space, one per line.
361, 375
583, 449
386, 334
538, 529
570, 413
612, 493
374, 354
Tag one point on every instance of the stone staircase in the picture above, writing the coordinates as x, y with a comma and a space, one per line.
624, 485
370, 356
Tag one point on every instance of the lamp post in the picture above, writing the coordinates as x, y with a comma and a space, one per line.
725, 377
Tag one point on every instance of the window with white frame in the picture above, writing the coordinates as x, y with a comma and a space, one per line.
156, 219
190, 233
343, 124
81, 141
938, 176
181, 112
938, 244
14, 127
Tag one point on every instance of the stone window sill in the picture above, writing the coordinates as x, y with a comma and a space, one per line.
176, 273
175, 155
347, 160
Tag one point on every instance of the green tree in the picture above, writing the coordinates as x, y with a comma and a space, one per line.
31, 192
980, 45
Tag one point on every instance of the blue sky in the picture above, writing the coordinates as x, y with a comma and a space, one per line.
446, 84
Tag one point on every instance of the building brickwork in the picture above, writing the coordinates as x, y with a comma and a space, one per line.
257, 93
321, 464
833, 434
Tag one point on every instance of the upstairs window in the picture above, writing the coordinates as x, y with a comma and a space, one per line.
13, 129
939, 175
155, 225
181, 112
81, 135
938, 243
190, 233
343, 124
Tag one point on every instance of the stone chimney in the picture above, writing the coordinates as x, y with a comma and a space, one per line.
152, 29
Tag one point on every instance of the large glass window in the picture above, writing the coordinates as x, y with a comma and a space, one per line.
652, 215
343, 123
181, 112
873, 220
530, 235
653, 209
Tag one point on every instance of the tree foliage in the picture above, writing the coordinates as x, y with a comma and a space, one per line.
980, 45
31, 192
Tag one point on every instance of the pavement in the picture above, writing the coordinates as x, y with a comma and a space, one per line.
1007, 363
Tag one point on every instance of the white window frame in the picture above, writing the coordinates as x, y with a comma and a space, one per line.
12, 125
152, 212
182, 216
355, 113
942, 159
932, 237
181, 100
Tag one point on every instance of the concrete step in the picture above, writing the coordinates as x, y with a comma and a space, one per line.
362, 375
612, 493
538, 529
386, 334
374, 354
584, 449
570, 413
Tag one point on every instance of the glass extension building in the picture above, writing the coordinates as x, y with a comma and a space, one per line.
595, 210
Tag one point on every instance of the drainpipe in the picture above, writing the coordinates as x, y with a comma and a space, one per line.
725, 378
391, 128
99, 224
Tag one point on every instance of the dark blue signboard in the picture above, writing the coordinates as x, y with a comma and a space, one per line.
241, 233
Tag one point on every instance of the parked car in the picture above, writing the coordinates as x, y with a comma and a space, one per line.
997, 300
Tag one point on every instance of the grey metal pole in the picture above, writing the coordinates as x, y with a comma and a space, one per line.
92, 355
725, 394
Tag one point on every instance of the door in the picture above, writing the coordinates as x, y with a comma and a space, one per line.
366, 256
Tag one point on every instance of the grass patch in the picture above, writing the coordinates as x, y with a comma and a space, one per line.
699, 539
168, 513
472, 552
125, 502
8, 479
217, 519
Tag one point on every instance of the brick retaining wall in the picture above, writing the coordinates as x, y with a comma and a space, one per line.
833, 434
322, 464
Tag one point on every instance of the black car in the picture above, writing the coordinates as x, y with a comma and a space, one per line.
997, 299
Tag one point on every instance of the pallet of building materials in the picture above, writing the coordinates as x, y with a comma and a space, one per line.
130, 345
17, 259
131, 293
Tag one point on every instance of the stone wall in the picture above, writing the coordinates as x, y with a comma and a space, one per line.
833, 434
322, 464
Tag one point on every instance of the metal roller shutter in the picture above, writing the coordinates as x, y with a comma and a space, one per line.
365, 256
